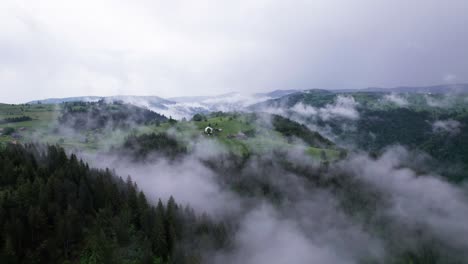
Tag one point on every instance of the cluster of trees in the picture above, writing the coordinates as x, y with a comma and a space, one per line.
140, 146
100, 115
265, 177
8, 131
56, 209
290, 128
15, 119
199, 117
377, 129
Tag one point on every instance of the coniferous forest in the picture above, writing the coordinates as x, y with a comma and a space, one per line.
234, 132
56, 209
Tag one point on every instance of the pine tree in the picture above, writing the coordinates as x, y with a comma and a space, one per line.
159, 233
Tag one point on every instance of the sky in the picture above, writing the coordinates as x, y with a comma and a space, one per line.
56, 48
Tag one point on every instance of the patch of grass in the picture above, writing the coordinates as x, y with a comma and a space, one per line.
323, 154
238, 132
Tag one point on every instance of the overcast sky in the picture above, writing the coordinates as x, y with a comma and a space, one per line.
175, 48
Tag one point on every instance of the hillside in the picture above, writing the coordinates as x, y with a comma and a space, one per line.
320, 161
245, 134
102, 125
373, 121
75, 214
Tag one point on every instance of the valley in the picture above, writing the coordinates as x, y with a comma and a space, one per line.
370, 153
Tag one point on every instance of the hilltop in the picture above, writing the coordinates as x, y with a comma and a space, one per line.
101, 125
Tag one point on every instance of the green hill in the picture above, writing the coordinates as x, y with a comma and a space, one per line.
415, 120
102, 126
244, 134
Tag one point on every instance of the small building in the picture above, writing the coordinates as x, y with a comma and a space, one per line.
209, 130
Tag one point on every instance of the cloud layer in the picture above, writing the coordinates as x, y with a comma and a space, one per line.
57, 49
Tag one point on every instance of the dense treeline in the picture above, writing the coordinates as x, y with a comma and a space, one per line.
141, 146
55, 209
378, 129
266, 178
290, 128
15, 119
100, 115
375, 130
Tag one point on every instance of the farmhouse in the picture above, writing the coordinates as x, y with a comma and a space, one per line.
209, 130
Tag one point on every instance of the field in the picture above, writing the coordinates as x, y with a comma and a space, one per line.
237, 132
42, 116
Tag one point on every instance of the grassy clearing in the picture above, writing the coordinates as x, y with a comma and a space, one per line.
42, 116
237, 132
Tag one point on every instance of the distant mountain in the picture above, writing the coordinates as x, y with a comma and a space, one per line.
436, 89
187, 106
124, 98
67, 99
188, 99
154, 103
277, 93
142, 101
230, 102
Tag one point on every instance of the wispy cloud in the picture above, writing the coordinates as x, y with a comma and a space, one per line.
101, 47
446, 126
397, 99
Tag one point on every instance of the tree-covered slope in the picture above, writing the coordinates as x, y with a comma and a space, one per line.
55, 209
372, 121
102, 115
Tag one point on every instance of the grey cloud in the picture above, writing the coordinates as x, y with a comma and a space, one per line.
309, 225
446, 126
185, 48
189, 181
342, 107
399, 100
416, 201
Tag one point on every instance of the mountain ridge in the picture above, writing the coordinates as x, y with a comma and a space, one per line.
440, 88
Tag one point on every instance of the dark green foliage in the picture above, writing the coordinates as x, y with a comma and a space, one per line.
101, 115
54, 209
172, 121
8, 130
142, 145
250, 132
270, 178
15, 119
198, 117
378, 129
290, 129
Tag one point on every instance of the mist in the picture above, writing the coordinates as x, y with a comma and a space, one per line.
208, 47
282, 205
311, 221
263, 120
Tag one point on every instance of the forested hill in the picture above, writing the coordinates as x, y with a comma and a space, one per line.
56, 209
371, 121
99, 115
